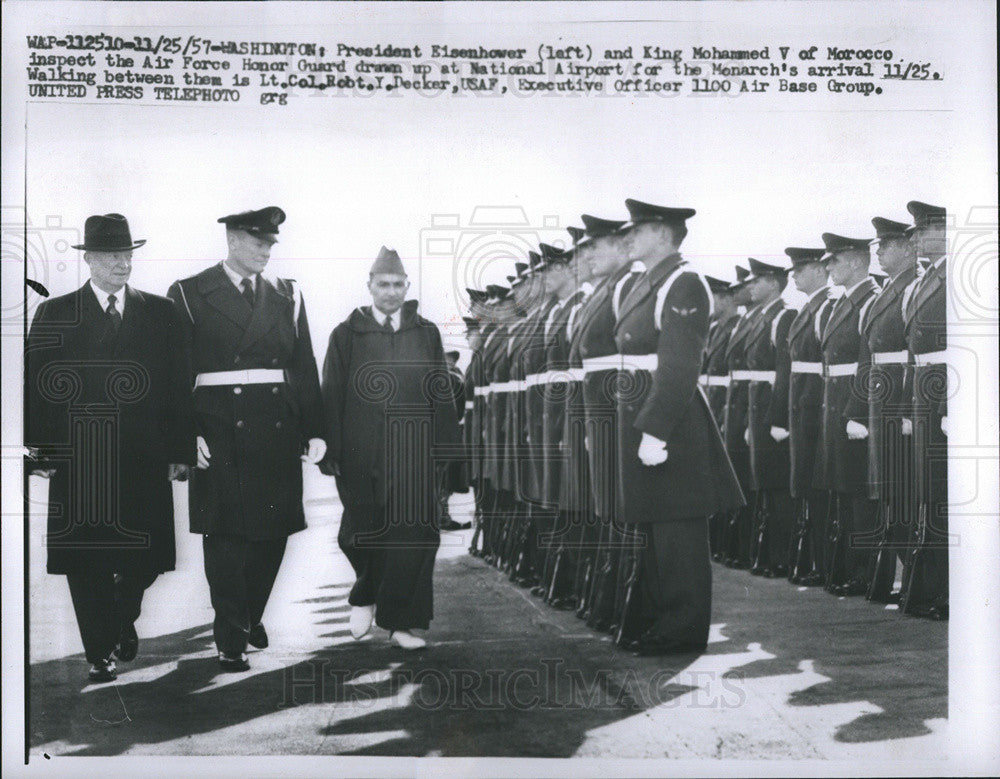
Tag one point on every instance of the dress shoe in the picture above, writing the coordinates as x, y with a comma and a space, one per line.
539, 591
566, 603
258, 637
653, 648
718, 557
810, 580
128, 643
852, 588
776, 572
233, 662
759, 570
738, 564
525, 581
406, 640
928, 611
103, 671
361, 620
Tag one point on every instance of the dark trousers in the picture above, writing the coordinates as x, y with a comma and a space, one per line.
780, 510
393, 564
240, 573
676, 576
103, 602
858, 519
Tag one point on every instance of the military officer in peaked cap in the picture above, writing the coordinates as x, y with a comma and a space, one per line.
674, 470
877, 408
715, 379
767, 349
259, 414
844, 456
796, 409
925, 315
734, 427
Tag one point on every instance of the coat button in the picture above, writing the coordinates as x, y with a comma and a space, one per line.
237, 390
274, 361
239, 424
236, 359
278, 424
274, 390
628, 336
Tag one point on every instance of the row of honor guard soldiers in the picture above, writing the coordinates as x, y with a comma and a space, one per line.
595, 458
835, 416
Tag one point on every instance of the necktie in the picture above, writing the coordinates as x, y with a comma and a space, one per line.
248, 295
387, 324
113, 315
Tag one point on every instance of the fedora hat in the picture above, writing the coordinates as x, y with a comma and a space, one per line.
107, 233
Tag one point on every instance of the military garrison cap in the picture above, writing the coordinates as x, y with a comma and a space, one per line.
453, 353
838, 243
924, 214
760, 269
554, 256
471, 323
887, 229
521, 272
497, 292
718, 286
742, 274
577, 234
801, 256
263, 222
640, 212
476, 295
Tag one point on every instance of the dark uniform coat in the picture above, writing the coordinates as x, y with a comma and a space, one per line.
458, 470
574, 483
595, 338
495, 365
516, 426
737, 400
109, 413
388, 399
766, 349
879, 402
532, 358
715, 366
697, 479
255, 432
797, 401
844, 463
554, 400
473, 414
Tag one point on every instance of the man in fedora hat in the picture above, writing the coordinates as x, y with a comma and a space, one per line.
388, 404
109, 423
259, 414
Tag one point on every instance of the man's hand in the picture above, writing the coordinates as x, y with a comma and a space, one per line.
652, 451
203, 454
44, 473
779, 434
178, 472
746, 436
586, 442
315, 451
907, 427
329, 468
944, 425
856, 431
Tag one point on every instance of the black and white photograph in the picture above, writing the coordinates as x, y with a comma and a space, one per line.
547, 389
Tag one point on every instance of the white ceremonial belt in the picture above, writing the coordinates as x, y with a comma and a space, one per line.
715, 381
931, 358
764, 376
741, 375
841, 369
504, 386
251, 376
574, 374
607, 362
890, 358
482, 391
639, 362
533, 379
798, 366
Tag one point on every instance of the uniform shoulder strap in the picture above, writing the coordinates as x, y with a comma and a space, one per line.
664, 290
777, 323
184, 300
293, 289
863, 313
818, 319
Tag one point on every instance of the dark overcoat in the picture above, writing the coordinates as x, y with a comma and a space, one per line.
767, 347
515, 444
494, 404
844, 463
109, 413
476, 418
574, 482
797, 400
256, 433
390, 413
737, 400
532, 362
879, 402
458, 476
715, 366
697, 479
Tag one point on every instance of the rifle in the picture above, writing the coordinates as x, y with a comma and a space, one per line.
913, 571
800, 552
628, 620
835, 574
883, 562
761, 537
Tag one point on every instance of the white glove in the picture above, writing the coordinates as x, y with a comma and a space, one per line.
203, 454
746, 436
586, 442
944, 425
315, 452
856, 431
652, 451
907, 427
779, 434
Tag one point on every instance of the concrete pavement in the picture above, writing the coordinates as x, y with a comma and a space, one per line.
789, 673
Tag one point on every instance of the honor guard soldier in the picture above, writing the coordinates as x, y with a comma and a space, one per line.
715, 380
674, 470
109, 424
474, 340
734, 429
593, 348
796, 409
878, 406
925, 314
455, 477
844, 459
766, 349
259, 413
474, 395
